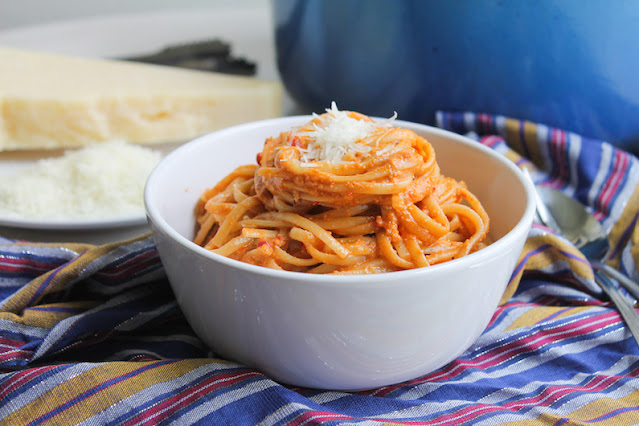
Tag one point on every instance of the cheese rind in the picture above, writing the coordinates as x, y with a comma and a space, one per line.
55, 101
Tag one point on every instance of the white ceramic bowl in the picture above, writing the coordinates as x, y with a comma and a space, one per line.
335, 332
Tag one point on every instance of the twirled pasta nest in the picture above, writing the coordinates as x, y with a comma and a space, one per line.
380, 205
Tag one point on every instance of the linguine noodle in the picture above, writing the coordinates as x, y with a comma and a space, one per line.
342, 195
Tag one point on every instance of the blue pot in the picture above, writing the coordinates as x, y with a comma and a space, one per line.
571, 64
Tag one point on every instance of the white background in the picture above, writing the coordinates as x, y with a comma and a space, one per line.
14, 13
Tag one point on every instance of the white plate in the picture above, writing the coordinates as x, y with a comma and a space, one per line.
11, 162
247, 29
75, 224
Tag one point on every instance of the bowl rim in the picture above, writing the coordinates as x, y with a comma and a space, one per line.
379, 279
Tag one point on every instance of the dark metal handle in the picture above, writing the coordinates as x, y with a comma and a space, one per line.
629, 284
625, 308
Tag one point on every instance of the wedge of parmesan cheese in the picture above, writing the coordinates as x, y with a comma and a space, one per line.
55, 101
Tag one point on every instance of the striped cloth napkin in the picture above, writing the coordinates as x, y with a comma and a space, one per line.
93, 335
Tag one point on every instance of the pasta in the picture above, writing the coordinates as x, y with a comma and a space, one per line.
343, 194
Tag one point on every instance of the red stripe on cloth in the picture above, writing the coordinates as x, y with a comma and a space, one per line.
13, 266
91, 391
128, 268
183, 399
491, 141
317, 417
558, 148
512, 349
21, 377
529, 343
15, 355
611, 185
553, 393
11, 350
546, 398
484, 122
12, 343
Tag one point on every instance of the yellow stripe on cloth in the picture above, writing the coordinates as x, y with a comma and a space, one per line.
634, 251
597, 411
513, 135
510, 288
604, 411
47, 316
58, 278
514, 157
542, 251
623, 223
91, 401
515, 141
541, 313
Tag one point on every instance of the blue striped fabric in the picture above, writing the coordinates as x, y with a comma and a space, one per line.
93, 335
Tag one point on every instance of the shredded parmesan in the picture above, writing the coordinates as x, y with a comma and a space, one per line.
338, 135
100, 181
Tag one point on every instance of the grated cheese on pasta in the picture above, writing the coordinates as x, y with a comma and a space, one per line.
338, 135
99, 181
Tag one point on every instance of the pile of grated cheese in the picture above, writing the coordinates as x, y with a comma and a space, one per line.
338, 135
100, 181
